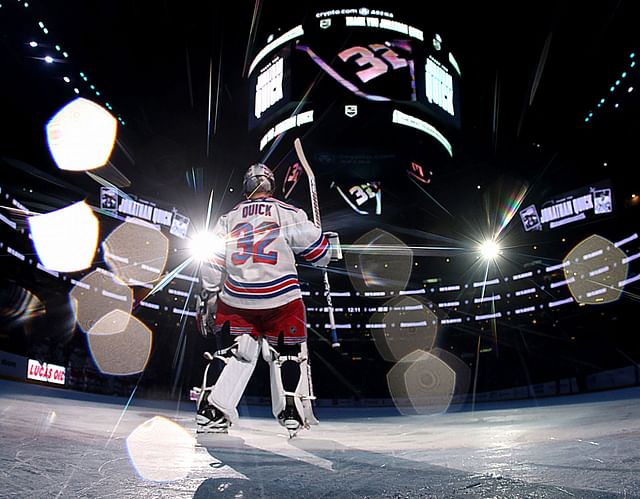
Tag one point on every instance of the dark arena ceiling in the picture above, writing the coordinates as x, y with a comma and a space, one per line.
510, 121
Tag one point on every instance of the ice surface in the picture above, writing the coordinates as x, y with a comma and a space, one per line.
58, 443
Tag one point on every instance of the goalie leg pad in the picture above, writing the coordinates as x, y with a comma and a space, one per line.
290, 376
234, 378
305, 387
271, 356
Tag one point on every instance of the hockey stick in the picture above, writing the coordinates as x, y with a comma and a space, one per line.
315, 207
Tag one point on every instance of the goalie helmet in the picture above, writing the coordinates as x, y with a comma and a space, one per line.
259, 178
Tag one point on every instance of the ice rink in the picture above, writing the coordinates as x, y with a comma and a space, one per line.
59, 443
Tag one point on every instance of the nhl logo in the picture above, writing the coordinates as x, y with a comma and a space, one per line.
325, 23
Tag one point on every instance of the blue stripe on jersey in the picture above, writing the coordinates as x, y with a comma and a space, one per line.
261, 284
247, 296
313, 246
321, 255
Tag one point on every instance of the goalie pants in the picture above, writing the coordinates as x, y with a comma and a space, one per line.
284, 325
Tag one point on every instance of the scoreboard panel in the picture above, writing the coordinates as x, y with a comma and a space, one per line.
374, 58
377, 103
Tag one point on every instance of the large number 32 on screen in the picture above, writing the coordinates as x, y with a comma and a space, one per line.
252, 242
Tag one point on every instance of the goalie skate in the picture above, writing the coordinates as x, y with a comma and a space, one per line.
210, 420
290, 419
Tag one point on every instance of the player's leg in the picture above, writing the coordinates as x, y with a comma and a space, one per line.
287, 355
217, 409
209, 418
284, 373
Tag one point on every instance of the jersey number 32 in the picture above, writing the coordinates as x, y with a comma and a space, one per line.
252, 242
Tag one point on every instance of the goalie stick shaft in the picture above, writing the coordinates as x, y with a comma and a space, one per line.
315, 208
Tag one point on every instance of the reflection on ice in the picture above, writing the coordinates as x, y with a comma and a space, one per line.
161, 450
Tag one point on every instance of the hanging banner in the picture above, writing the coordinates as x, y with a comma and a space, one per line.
575, 206
112, 201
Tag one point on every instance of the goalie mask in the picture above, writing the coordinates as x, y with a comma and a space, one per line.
259, 178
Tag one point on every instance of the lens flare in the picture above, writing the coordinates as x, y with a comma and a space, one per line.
594, 270
402, 325
97, 294
379, 261
511, 207
81, 135
421, 383
136, 252
66, 240
120, 352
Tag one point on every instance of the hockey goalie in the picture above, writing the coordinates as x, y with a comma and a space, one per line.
250, 286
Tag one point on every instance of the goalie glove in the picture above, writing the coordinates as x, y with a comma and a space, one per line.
336, 249
206, 306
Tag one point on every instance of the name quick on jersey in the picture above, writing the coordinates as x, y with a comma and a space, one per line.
257, 209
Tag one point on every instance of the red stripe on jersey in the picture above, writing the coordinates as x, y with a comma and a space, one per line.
317, 251
260, 291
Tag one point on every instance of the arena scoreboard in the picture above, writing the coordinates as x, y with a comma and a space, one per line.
374, 97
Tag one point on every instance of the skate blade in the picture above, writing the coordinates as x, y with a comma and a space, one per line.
204, 430
293, 433
293, 427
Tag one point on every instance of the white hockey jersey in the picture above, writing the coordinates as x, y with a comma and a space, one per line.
256, 267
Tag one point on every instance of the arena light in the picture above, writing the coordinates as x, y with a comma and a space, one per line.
204, 245
65, 240
490, 249
81, 135
404, 119
281, 40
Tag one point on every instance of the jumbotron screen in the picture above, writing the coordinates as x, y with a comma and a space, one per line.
366, 56
376, 101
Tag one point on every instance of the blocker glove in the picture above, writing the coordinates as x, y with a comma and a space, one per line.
336, 249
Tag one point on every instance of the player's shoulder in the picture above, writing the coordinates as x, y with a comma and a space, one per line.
282, 204
237, 207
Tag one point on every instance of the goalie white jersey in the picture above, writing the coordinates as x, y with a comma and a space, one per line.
256, 267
